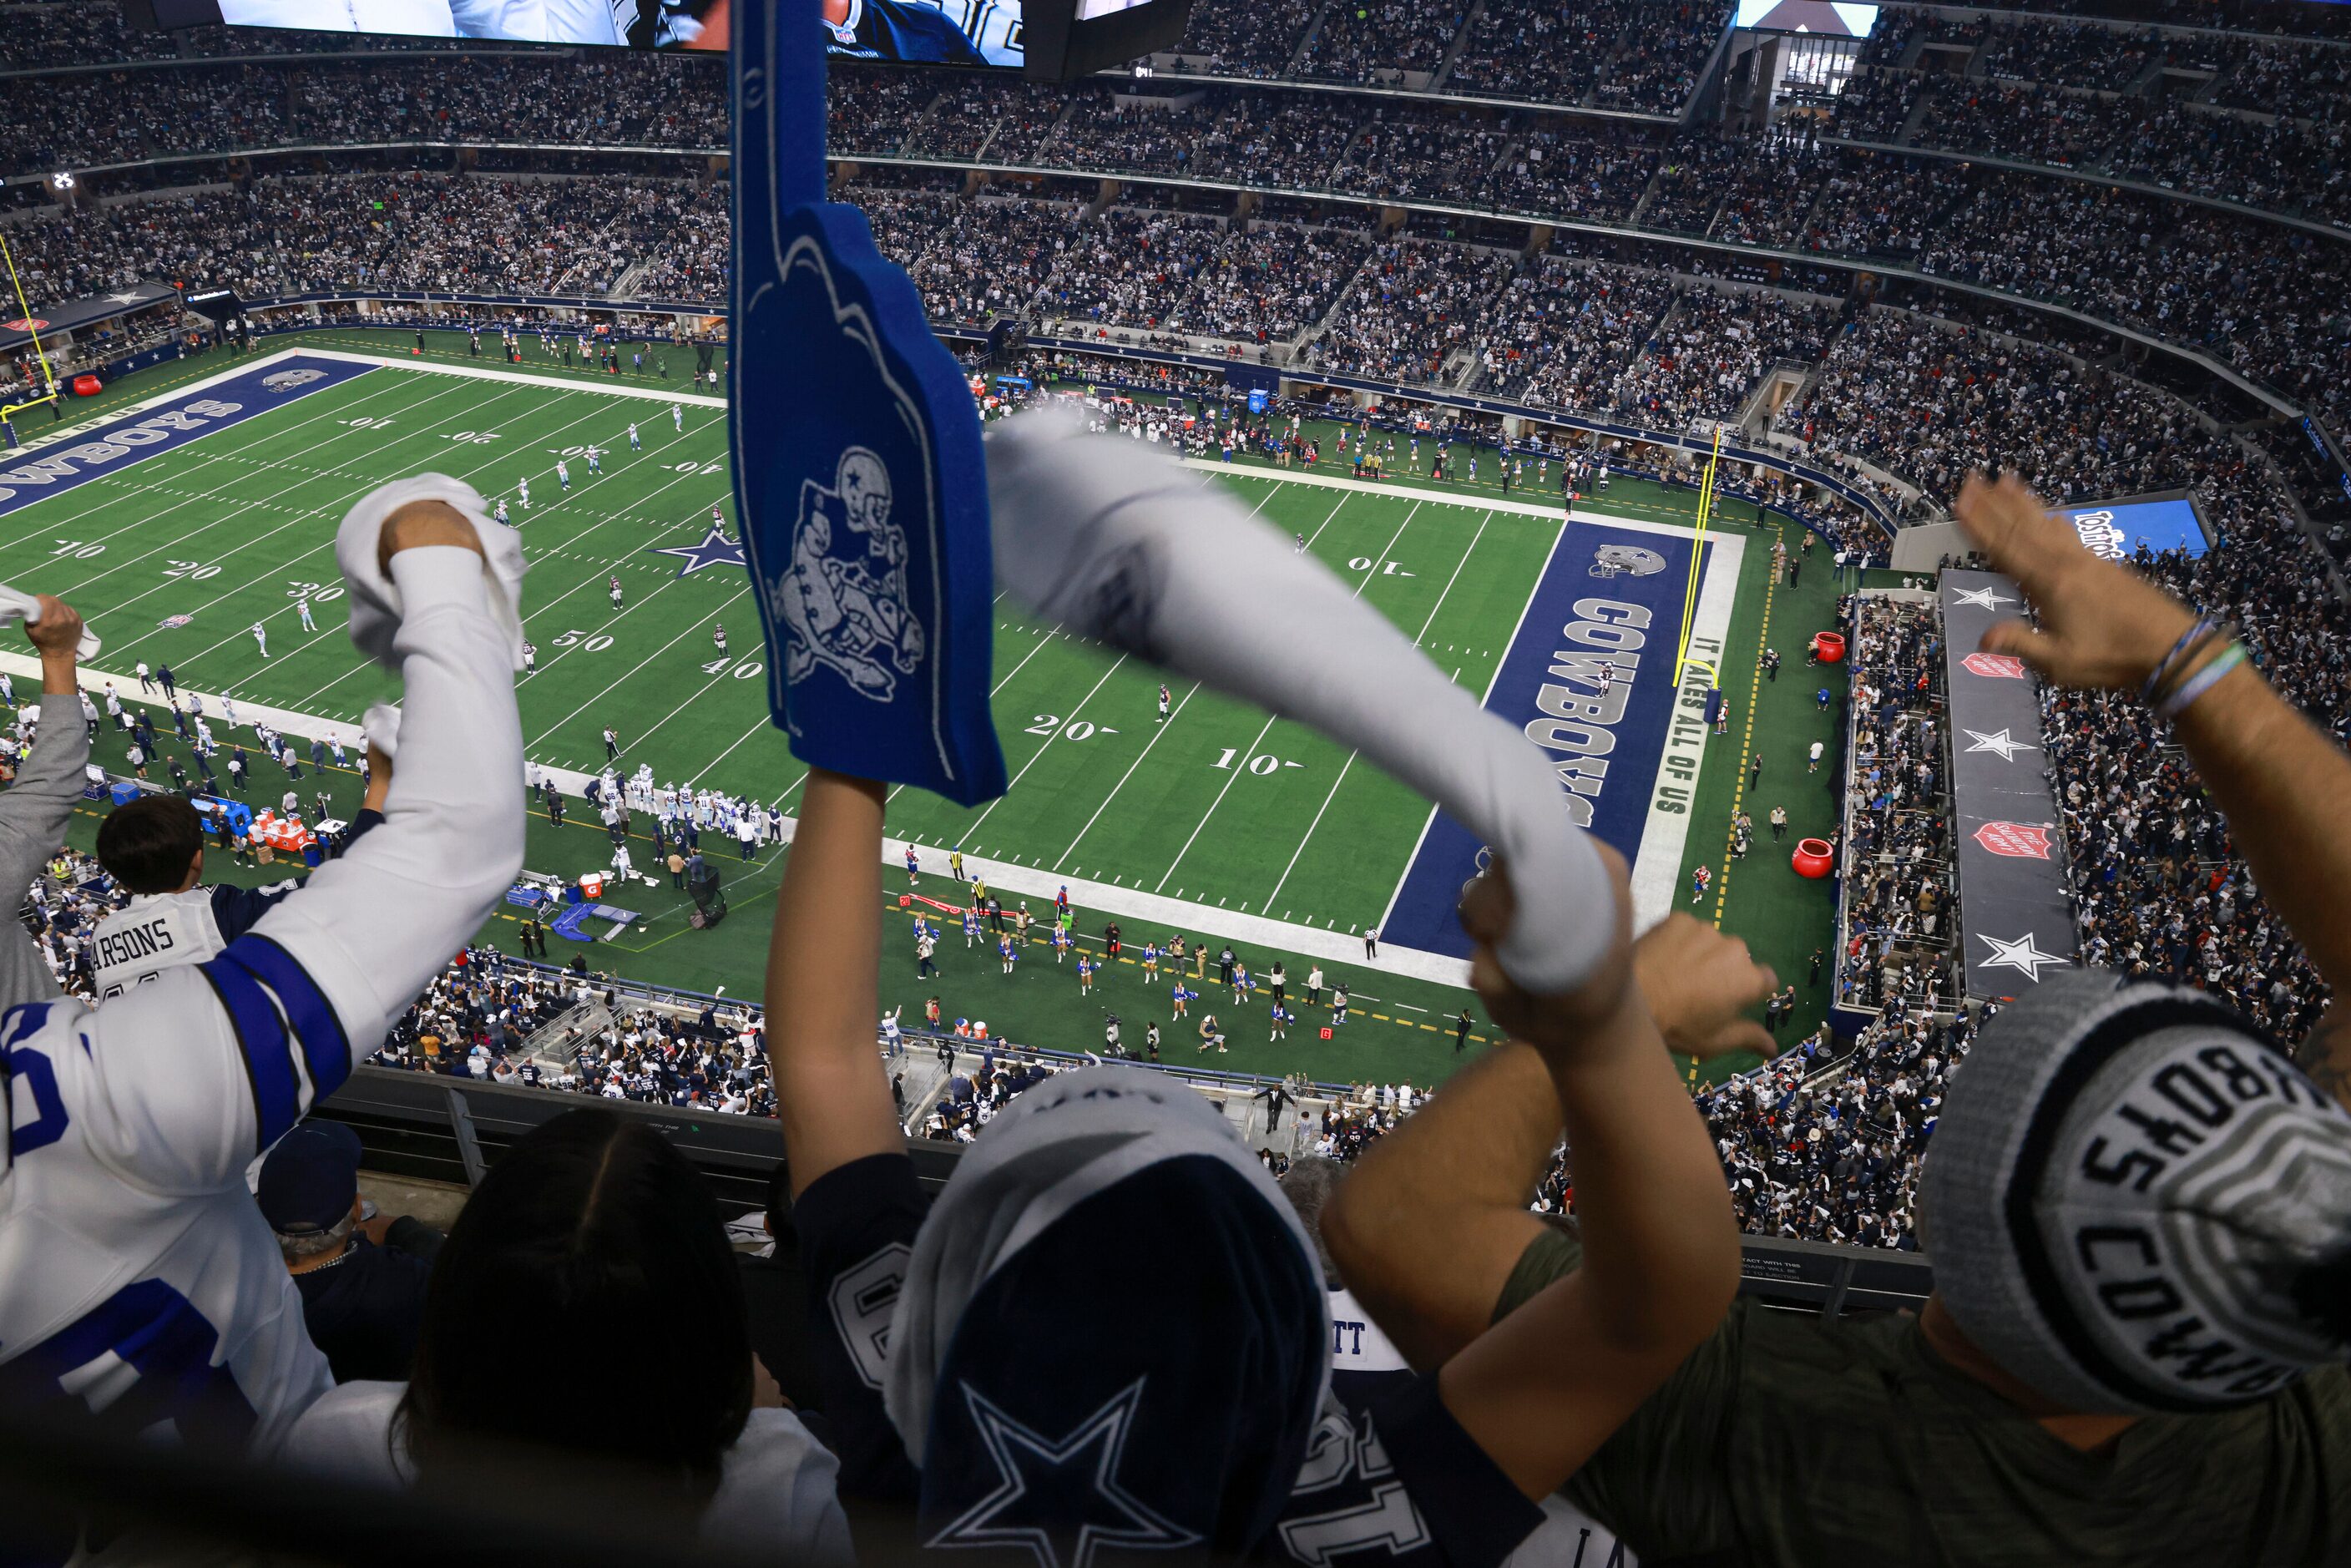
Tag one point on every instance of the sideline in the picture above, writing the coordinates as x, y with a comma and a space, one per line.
1657, 868
1159, 913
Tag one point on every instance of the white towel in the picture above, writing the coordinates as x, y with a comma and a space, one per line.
375, 603
381, 725
1126, 548
16, 604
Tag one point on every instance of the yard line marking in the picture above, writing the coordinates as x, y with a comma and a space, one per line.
998, 686
1488, 695
1040, 751
1318, 528
1344, 766
311, 516
691, 696
227, 453
602, 519
162, 483
1156, 732
307, 514
640, 664
1240, 764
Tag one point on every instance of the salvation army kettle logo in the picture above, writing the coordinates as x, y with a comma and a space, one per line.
1626, 561
2005, 666
286, 381
842, 599
2019, 841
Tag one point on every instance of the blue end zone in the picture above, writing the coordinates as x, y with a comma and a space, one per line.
135, 437
1606, 593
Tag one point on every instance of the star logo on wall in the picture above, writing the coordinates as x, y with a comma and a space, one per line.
1981, 598
714, 548
2021, 954
1061, 1499
1999, 744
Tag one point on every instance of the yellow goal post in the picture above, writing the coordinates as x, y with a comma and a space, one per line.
40, 355
1683, 663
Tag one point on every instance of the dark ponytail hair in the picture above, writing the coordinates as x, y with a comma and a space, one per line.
600, 1242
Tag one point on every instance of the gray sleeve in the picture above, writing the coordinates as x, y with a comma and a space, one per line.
33, 815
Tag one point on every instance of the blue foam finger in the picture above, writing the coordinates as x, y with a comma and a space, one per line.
859, 478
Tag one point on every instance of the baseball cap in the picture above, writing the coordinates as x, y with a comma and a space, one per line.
2137, 1203
310, 1180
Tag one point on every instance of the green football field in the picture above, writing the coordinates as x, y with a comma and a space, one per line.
1217, 806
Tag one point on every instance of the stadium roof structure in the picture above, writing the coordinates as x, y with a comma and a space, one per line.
73, 314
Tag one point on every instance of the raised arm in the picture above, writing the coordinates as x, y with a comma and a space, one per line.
824, 964
1429, 1226
34, 810
375, 925
2284, 787
1541, 1390
204, 1067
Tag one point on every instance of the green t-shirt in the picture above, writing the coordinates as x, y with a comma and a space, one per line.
1798, 1443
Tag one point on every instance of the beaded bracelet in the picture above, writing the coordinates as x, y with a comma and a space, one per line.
2202, 681
2181, 668
2205, 627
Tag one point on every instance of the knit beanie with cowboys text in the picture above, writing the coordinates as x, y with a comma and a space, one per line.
2137, 1203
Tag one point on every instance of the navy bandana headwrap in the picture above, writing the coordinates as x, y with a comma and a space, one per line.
1113, 1335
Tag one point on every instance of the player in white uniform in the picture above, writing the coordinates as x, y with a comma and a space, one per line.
143, 1282
302, 608
500, 514
261, 638
677, 416
524, 487
563, 474
636, 443
595, 460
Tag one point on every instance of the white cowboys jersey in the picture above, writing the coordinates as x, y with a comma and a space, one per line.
153, 933
141, 1281
138, 1281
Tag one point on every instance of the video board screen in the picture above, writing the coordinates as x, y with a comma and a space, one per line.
1828, 18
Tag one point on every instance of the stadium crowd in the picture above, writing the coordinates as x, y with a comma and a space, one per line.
2254, 293
1827, 1147
1897, 892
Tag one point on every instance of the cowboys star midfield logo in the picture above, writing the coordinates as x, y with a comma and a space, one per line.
841, 599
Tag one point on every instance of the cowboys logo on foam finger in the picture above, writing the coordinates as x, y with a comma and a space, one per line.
858, 474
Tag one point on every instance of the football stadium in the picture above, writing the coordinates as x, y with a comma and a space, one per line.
1506, 733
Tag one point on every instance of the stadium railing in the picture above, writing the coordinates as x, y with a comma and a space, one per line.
450, 1130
